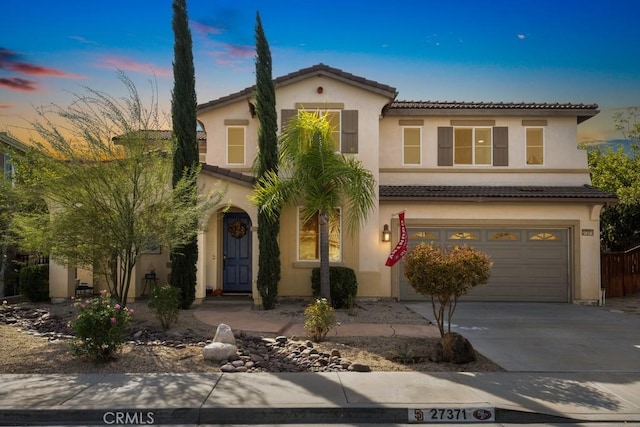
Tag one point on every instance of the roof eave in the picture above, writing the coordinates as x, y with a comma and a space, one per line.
228, 175
581, 114
597, 200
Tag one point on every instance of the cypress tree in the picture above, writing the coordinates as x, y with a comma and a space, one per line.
183, 115
268, 226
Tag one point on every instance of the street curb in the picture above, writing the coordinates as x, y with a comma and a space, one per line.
235, 415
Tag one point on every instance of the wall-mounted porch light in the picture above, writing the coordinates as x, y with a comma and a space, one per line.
386, 233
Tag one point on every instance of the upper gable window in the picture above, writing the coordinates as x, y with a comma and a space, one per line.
333, 117
535, 145
236, 143
472, 145
411, 145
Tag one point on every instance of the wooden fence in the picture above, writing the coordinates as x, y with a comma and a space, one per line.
620, 272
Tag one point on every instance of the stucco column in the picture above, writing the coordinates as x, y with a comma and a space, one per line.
61, 281
201, 273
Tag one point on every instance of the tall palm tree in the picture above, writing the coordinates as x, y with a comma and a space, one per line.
320, 179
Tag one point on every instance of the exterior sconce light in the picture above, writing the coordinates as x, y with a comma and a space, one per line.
386, 233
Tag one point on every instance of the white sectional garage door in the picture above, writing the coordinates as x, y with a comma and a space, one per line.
529, 264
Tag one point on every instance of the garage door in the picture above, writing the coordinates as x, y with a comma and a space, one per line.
528, 264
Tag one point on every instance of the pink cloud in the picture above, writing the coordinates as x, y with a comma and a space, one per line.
9, 60
230, 54
127, 64
5, 106
203, 29
16, 83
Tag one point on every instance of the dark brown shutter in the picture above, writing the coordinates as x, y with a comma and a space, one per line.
500, 146
445, 146
285, 116
350, 131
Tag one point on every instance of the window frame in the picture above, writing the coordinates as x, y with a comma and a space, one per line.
340, 239
474, 145
526, 145
244, 143
404, 146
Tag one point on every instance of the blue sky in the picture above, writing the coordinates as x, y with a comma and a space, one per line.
499, 50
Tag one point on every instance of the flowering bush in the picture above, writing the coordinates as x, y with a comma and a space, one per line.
319, 319
100, 327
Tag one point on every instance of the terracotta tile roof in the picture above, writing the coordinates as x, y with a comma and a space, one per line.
164, 134
431, 105
304, 73
449, 108
479, 193
8, 140
228, 175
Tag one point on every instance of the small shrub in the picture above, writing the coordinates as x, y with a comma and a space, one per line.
344, 285
165, 303
34, 282
99, 327
406, 354
318, 319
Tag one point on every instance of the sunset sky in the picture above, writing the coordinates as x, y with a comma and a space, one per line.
498, 50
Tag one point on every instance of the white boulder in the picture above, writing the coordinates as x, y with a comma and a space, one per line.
219, 351
224, 335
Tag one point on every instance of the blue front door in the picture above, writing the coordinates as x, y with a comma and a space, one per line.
236, 242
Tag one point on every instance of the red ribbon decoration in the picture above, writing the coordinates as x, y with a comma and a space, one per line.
401, 248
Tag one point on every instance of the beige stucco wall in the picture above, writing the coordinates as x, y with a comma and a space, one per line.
564, 163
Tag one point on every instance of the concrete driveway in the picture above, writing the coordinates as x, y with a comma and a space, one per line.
548, 337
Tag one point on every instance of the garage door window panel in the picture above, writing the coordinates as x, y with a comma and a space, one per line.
464, 235
544, 236
504, 235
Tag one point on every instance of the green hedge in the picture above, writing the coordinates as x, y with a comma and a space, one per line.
344, 285
34, 282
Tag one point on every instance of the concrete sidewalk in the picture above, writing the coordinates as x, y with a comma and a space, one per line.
306, 398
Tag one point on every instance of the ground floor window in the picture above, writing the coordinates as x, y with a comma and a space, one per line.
309, 238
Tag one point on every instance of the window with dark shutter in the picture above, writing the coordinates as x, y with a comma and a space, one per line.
285, 116
500, 146
350, 131
445, 146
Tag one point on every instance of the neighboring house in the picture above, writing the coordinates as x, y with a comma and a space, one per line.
8, 144
507, 178
8, 252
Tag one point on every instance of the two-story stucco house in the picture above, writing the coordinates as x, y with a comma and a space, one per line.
507, 178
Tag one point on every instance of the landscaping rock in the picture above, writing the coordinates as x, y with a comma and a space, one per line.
454, 348
219, 351
224, 335
251, 353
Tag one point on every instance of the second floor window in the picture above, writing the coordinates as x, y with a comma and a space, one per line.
411, 145
535, 145
235, 145
472, 146
333, 117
